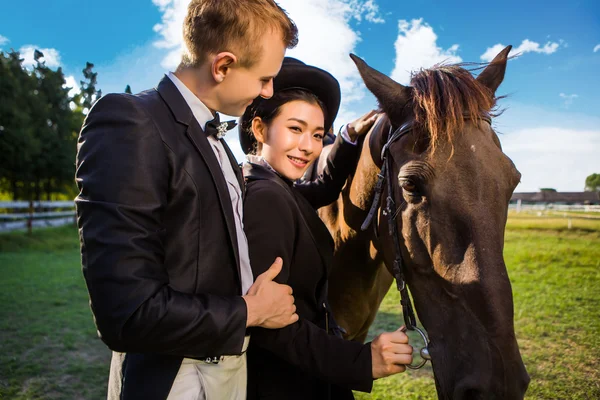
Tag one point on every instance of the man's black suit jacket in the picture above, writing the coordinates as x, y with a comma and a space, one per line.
158, 242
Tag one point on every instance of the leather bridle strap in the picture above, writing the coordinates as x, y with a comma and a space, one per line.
398, 266
401, 131
389, 211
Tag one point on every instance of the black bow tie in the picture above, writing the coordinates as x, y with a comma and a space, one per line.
217, 128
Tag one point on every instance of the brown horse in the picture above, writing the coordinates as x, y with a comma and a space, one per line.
452, 184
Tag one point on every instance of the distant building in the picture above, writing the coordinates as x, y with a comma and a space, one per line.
554, 197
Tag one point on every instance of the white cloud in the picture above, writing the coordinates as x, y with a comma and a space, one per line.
596, 48
170, 30
568, 99
527, 46
71, 82
330, 52
416, 47
555, 157
3, 40
369, 10
51, 56
327, 47
551, 148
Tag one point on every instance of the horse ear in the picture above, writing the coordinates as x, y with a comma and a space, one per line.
493, 75
390, 94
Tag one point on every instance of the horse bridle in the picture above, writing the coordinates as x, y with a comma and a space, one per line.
399, 267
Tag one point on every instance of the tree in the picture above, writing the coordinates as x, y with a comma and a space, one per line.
89, 94
38, 129
128, 89
57, 130
592, 183
19, 144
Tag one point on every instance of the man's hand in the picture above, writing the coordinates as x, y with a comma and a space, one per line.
361, 126
270, 304
390, 353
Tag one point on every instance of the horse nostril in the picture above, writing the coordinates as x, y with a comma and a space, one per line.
470, 391
472, 394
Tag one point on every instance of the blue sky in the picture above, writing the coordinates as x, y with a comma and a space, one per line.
551, 128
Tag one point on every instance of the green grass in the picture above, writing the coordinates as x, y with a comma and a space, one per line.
555, 222
49, 348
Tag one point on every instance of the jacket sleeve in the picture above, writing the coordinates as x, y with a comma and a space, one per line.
122, 174
271, 227
327, 187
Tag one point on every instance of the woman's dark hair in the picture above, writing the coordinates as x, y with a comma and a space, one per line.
269, 109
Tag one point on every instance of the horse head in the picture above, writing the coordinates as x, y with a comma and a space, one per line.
452, 184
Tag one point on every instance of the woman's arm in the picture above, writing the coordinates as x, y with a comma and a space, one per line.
327, 357
271, 226
341, 162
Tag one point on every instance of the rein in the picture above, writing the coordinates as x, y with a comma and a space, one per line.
399, 267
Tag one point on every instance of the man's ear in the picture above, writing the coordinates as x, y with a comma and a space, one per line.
259, 130
222, 64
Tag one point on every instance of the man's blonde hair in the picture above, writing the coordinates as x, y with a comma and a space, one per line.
213, 26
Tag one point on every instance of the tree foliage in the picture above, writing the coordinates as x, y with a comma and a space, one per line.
39, 123
592, 183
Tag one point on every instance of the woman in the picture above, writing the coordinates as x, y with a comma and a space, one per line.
304, 360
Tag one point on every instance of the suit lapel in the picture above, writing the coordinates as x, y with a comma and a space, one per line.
197, 137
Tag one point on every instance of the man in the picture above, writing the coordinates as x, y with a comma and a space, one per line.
163, 251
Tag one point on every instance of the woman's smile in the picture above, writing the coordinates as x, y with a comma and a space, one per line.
298, 162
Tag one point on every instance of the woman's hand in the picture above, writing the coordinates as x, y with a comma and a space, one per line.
361, 126
390, 352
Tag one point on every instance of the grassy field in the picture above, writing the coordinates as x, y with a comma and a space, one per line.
49, 348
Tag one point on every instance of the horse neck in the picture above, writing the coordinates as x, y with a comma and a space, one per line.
353, 207
364, 180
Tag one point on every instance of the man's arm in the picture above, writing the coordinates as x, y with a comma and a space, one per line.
122, 174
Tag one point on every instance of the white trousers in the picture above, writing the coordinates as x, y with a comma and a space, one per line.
198, 380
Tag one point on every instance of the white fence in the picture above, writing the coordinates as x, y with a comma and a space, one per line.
16, 215
555, 207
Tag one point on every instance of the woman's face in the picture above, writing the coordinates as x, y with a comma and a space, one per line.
293, 139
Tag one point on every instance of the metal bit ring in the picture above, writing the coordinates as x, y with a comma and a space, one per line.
424, 352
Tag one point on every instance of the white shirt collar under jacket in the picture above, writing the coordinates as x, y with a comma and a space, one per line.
200, 111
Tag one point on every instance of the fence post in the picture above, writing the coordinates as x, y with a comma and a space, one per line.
30, 218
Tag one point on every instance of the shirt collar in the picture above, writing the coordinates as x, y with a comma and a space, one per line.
200, 111
259, 160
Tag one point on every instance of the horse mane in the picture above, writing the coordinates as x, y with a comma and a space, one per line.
444, 96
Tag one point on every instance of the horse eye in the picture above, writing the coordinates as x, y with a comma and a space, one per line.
407, 185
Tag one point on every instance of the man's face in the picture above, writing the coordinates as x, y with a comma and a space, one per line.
242, 85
